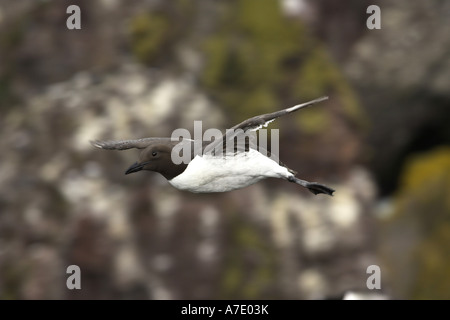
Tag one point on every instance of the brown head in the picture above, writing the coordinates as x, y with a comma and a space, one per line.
157, 157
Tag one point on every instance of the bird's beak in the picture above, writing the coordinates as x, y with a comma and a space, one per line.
135, 167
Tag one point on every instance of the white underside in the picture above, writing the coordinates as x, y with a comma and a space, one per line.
221, 174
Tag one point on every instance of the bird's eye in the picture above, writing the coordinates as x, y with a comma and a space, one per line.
154, 153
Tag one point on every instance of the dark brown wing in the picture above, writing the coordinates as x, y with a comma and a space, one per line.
257, 122
254, 124
127, 144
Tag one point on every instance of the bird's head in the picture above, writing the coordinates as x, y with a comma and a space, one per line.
157, 157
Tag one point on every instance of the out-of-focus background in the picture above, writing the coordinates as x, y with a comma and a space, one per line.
145, 68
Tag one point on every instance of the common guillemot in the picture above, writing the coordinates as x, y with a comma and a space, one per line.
208, 171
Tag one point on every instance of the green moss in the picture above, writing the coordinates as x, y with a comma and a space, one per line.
184, 5
262, 100
245, 57
316, 76
149, 36
433, 281
13, 277
313, 120
6, 96
425, 186
259, 60
320, 76
11, 37
245, 278
427, 169
422, 208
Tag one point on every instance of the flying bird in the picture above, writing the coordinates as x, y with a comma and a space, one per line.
214, 167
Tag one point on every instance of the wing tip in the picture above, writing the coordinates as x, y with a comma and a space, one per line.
306, 104
97, 143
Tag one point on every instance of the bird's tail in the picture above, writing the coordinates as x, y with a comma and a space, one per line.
314, 187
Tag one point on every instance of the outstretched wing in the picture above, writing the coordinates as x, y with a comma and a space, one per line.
254, 124
127, 144
258, 122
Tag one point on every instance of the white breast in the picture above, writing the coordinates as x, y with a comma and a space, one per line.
220, 174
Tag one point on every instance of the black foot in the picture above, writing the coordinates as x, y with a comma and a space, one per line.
317, 188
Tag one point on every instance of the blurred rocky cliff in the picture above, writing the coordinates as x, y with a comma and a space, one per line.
144, 68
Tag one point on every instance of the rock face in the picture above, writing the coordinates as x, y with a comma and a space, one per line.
403, 74
417, 232
64, 202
